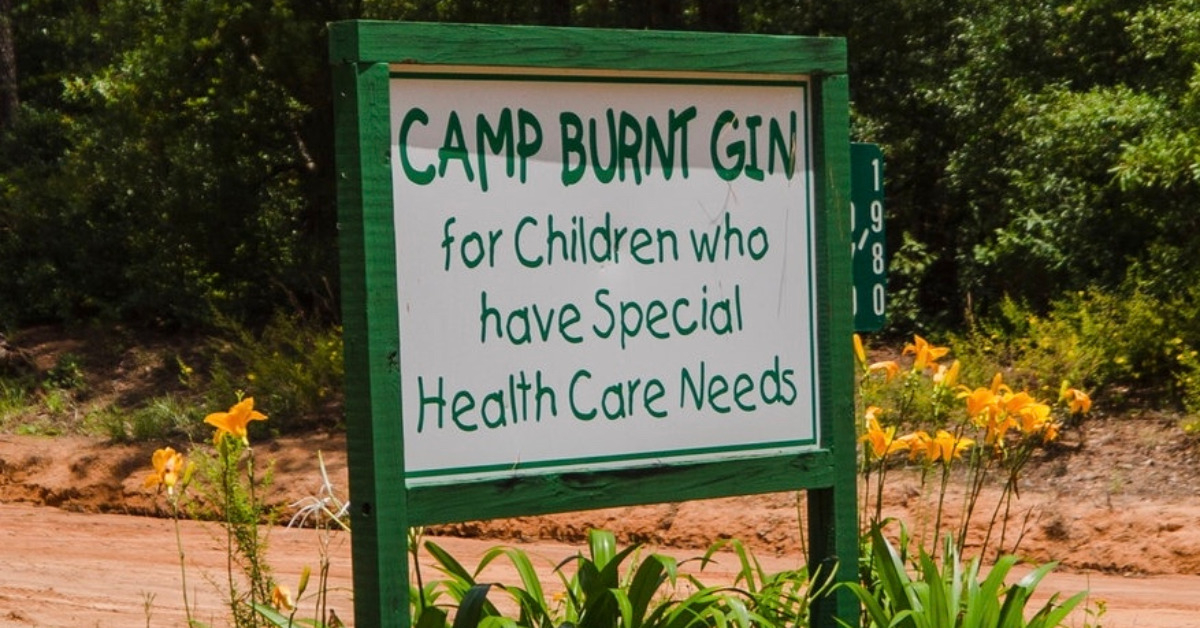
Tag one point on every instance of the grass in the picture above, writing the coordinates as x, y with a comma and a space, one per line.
110, 385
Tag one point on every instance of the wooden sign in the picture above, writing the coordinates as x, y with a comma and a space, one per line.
585, 269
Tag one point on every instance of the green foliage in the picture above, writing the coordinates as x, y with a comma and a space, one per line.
1036, 352
1168, 156
1128, 341
231, 492
293, 366
14, 399
908, 272
168, 416
66, 374
1067, 224
781, 598
614, 587
183, 165
951, 595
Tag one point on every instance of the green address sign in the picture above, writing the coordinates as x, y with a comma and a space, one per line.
867, 246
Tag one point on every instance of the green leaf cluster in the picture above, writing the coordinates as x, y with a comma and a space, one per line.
612, 587
952, 595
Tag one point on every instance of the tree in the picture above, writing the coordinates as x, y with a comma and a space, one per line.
9, 101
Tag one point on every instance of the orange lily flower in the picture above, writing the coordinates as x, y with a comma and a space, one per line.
882, 442
889, 368
979, 402
917, 443
998, 386
281, 598
1016, 403
859, 351
946, 447
234, 422
947, 376
168, 465
1034, 417
924, 353
996, 426
1077, 400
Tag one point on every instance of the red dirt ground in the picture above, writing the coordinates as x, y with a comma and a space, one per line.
1117, 505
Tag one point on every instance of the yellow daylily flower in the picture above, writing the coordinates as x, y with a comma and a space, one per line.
996, 426
168, 467
1014, 404
947, 376
1050, 433
917, 443
281, 598
998, 387
925, 354
947, 447
859, 351
981, 403
889, 367
1077, 400
882, 441
234, 422
1034, 417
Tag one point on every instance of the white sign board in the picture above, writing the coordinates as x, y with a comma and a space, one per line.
601, 271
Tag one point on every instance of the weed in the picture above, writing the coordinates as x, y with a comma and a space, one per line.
292, 366
67, 373
57, 402
228, 489
14, 399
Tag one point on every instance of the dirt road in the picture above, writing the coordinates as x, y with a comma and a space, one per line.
61, 569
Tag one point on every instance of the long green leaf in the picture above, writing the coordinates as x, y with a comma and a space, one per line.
1047, 618
448, 564
625, 608
534, 612
431, 617
891, 573
603, 547
650, 576
938, 609
270, 614
474, 607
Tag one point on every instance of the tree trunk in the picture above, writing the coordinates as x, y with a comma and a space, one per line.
9, 103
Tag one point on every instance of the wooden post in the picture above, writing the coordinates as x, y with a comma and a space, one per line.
371, 335
833, 509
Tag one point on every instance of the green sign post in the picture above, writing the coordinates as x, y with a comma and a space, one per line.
590, 268
867, 247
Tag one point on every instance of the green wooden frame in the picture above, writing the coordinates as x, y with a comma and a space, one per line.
383, 509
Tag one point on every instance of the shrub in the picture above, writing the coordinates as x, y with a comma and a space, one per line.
1127, 342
